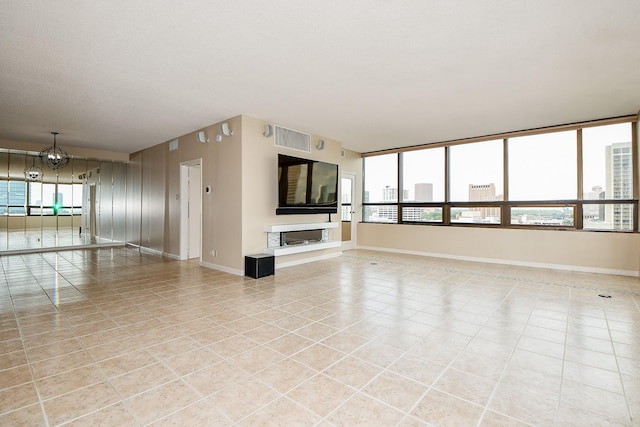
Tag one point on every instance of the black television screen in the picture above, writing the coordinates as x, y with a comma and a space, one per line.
306, 186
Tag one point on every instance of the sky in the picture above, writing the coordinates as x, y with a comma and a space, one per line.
539, 165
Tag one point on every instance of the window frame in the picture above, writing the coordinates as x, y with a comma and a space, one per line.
28, 207
506, 205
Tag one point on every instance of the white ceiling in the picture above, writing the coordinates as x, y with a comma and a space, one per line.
123, 75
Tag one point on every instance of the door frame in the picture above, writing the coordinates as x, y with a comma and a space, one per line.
184, 207
351, 244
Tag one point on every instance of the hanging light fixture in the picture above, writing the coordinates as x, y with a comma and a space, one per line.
33, 173
54, 156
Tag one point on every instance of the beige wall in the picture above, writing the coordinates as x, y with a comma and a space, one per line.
242, 171
617, 253
606, 252
260, 189
222, 209
154, 174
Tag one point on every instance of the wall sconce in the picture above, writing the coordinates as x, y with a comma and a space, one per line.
224, 130
268, 131
202, 137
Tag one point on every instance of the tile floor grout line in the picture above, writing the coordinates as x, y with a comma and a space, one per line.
564, 358
624, 391
454, 270
513, 351
33, 376
378, 292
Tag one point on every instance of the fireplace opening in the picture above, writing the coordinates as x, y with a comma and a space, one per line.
291, 238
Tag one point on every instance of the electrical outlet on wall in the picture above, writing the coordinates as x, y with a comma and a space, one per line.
213, 252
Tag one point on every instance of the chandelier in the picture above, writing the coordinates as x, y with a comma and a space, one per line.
54, 156
33, 173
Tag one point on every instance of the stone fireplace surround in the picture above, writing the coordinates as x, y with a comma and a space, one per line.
310, 237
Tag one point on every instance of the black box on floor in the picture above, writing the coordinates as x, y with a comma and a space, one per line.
259, 265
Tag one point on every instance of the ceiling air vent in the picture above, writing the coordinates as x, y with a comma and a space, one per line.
292, 139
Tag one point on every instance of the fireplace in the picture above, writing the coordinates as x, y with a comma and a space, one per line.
303, 237
287, 239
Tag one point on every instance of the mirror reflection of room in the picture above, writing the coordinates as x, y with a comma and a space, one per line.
75, 205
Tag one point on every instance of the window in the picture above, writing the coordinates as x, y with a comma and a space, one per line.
607, 174
543, 167
423, 175
55, 199
556, 216
12, 198
533, 184
476, 214
346, 199
476, 172
421, 214
69, 200
381, 189
381, 185
607, 216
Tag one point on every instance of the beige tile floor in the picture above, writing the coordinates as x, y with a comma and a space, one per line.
115, 337
35, 240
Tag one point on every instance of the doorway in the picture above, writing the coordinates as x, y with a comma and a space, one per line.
348, 187
190, 209
92, 213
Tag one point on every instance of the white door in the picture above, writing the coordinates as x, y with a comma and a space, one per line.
190, 210
348, 186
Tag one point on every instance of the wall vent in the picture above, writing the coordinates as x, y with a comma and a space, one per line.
292, 139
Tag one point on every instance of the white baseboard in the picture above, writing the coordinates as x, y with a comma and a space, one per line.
171, 256
150, 251
564, 267
222, 268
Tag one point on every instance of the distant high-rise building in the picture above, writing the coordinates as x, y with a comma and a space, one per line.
390, 194
485, 193
423, 192
390, 213
593, 212
619, 174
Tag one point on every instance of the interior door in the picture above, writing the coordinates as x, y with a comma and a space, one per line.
348, 181
194, 211
191, 209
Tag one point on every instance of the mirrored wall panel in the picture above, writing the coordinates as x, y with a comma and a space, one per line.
80, 204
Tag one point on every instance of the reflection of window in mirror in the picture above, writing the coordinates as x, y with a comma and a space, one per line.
50, 209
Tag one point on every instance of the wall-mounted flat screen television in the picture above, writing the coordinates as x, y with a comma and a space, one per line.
306, 186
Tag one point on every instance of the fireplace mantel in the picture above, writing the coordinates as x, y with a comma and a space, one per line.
279, 228
294, 249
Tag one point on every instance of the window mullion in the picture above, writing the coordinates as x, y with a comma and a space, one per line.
578, 213
506, 208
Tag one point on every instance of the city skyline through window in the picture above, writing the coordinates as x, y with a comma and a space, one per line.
543, 186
